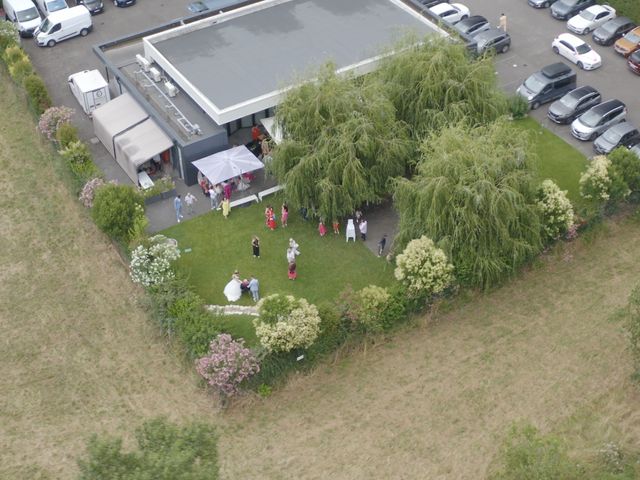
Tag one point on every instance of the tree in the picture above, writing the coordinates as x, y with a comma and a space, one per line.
114, 210
474, 196
164, 452
602, 184
627, 165
342, 144
435, 83
556, 211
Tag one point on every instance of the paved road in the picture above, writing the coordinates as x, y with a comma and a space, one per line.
532, 32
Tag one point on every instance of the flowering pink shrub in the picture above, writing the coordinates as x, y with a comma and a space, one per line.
227, 365
88, 192
51, 120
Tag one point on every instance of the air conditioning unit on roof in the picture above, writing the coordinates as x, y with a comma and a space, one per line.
171, 89
143, 62
154, 73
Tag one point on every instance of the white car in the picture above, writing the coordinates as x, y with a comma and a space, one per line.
450, 12
577, 51
591, 18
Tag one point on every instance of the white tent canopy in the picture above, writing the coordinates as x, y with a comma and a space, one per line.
115, 117
228, 164
272, 129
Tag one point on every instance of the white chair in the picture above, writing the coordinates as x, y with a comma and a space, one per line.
351, 230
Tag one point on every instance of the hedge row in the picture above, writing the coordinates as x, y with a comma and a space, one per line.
627, 8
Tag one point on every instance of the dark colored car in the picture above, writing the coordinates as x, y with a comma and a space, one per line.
94, 6
633, 62
206, 5
473, 25
494, 39
567, 108
547, 85
621, 135
612, 30
541, 3
123, 3
565, 9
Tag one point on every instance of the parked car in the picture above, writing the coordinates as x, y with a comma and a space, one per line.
579, 100
450, 12
597, 119
431, 3
612, 30
49, 6
62, 25
633, 62
591, 18
621, 135
494, 39
549, 84
473, 25
565, 9
206, 5
124, 3
629, 43
94, 6
23, 14
577, 51
541, 3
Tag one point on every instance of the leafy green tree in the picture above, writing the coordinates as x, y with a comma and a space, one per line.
342, 144
627, 164
473, 194
435, 83
114, 210
164, 452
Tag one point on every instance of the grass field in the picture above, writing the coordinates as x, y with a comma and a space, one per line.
325, 265
78, 356
557, 159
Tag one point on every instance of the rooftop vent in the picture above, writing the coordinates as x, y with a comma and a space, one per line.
143, 62
171, 89
154, 73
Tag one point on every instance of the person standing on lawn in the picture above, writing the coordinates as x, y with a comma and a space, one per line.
255, 245
226, 207
291, 255
363, 229
336, 227
189, 201
292, 271
254, 287
177, 205
322, 229
285, 215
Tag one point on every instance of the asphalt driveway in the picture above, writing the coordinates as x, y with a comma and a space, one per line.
532, 32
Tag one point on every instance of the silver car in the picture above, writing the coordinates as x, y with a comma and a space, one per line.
493, 39
597, 119
621, 135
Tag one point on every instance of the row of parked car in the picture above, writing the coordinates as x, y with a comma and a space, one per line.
586, 16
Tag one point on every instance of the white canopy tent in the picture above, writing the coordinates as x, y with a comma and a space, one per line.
228, 164
272, 129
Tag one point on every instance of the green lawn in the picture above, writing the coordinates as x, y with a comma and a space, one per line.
557, 159
325, 265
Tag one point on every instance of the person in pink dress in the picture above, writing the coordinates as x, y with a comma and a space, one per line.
322, 230
268, 213
285, 215
227, 190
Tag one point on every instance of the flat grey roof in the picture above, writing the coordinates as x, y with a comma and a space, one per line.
238, 63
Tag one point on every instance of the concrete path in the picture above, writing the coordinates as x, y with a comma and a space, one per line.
233, 310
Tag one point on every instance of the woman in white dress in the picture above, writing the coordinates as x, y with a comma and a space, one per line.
232, 290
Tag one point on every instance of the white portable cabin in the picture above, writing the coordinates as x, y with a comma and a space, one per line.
90, 89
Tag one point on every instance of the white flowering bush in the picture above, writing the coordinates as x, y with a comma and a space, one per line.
286, 323
423, 268
372, 304
151, 264
602, 183
556, 211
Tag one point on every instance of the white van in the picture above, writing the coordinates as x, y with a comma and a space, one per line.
24, 14
62, 25
49, 6
90, 89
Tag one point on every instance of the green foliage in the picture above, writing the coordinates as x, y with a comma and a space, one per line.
633, 327
603, 186
68, 134
627, 166
518, 106
165, 184
627, 8
164, 451
8, 36
114, 210
37, 93
435, 84
162, 296
20, 69
194, 326
342, 144
138, 232
474, 196
556, 211
13, 54
78, 157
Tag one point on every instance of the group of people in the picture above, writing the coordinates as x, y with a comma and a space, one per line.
271, 219
236, 287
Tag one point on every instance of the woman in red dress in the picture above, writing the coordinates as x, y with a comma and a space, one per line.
292, 271
272, 222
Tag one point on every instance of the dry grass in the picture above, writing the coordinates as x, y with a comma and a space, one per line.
79, 356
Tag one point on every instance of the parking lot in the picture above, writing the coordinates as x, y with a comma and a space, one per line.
532, 31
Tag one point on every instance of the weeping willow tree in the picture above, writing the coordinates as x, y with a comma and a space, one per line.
473, 194
342, 144
435, 83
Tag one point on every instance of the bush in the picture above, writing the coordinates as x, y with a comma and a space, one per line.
286, 323
37, 93
194, 326
627, 165
66, 135
13, 54
227, 365
21, 69
52, 119
556, 211
601, 184
628, 8
8, 36
77, 156
518, 106
163, 452
633, 327
114, 210
423, 268
88, 192
161, 298
151, 264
